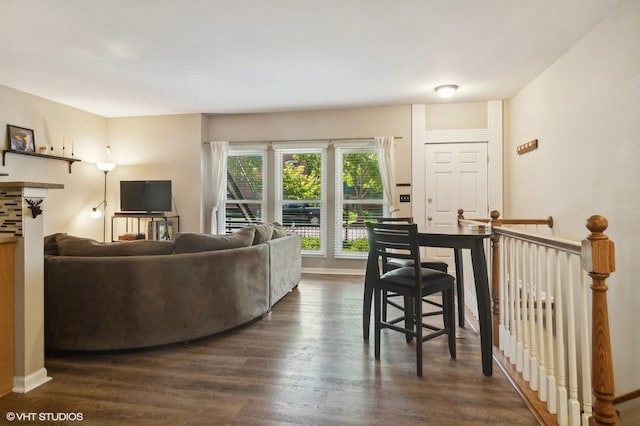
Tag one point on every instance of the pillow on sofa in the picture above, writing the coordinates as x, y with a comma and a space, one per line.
263, 233
279, 231
187, 242
51, 245
69, 245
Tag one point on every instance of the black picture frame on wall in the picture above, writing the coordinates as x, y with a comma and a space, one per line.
21, 139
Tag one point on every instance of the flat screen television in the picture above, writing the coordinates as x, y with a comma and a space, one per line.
146, 196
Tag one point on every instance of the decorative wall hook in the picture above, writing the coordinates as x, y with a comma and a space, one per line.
526, 147
34, 206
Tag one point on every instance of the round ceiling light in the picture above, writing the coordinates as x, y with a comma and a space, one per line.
446, 90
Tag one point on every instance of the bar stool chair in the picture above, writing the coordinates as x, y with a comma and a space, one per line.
388, 299
400, 241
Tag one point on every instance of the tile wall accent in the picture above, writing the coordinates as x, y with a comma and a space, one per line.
11, 212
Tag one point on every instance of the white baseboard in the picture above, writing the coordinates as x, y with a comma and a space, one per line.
331, 271
23, 384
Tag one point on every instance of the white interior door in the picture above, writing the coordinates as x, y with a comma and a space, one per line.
456, 177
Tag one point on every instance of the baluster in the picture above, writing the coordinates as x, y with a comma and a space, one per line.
599, 261
495, 274
524, 302
562, 390
586, 352
572, 357
518, 302
543, 302
552, 401
533, 319
512, 297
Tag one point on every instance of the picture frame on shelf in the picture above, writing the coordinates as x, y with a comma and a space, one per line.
21, 139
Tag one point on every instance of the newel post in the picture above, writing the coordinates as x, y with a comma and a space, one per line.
598, 259
495, 275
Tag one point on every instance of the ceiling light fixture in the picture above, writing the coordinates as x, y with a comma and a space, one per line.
446, 90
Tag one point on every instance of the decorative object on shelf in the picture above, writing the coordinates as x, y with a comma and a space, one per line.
34, 206
106, 167
21, 139
526, 147
445, 91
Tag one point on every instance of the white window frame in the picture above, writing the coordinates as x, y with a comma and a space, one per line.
339, 150
245, 151
303, 148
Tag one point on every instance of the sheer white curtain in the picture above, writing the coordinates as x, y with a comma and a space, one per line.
384, 149
217, 171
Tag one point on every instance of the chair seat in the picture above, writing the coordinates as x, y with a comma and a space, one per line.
402, 279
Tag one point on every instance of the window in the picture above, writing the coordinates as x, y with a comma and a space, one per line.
300, 195
359, 198
246, 197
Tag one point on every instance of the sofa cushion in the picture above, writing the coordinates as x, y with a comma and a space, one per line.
264, 233
279, 231
51, 245
69, 245
188, 242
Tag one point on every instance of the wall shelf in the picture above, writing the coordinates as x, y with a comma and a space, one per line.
70, 161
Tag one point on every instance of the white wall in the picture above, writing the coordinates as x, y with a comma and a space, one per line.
585, 112
160, 147
65, 210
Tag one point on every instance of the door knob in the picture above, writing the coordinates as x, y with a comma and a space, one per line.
429, 218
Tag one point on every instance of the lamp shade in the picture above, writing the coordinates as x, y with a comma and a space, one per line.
446, 90
106, 167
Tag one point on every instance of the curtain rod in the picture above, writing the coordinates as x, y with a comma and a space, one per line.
307, 140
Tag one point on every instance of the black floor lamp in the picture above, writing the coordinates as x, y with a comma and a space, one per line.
96, 213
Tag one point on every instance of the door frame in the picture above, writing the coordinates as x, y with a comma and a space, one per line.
492, 135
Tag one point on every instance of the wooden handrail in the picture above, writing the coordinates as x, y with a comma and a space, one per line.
548, 221
626, 397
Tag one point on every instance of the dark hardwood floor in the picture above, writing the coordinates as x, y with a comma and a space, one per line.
305, 364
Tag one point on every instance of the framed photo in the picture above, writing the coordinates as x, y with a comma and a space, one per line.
21, 139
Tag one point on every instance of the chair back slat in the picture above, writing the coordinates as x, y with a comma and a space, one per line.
393, 241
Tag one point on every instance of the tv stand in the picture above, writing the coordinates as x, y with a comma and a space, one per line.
142, 225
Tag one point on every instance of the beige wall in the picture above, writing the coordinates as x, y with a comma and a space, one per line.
585, 112
160, 147
65, 210
450, 116
323, 125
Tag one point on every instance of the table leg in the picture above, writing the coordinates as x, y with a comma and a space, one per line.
367, 297
459, 286
484, 305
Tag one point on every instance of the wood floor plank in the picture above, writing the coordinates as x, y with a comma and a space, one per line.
305, 363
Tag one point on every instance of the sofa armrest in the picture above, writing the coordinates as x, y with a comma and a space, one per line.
285, 265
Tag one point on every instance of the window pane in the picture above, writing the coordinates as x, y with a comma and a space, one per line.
245, 190
244, 177
300, 214
301, 198
360, 198
301, 176
354, 232
361, 176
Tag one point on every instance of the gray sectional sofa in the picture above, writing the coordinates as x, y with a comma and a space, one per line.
146, 293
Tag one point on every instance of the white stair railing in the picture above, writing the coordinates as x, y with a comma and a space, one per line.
544, 314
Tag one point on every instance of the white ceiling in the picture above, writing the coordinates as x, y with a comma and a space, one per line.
145, 57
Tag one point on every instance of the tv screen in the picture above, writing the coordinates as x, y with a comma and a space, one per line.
145, 196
